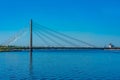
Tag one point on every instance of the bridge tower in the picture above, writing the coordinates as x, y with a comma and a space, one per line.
31, 38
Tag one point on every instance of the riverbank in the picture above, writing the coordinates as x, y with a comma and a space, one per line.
13, 48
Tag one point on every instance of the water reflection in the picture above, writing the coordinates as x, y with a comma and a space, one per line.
30, 65
82, 66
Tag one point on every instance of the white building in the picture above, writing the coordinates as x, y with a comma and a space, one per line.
110, 45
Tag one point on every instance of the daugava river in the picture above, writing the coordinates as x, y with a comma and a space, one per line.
60, 65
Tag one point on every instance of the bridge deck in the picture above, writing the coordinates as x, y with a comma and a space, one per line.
58, 48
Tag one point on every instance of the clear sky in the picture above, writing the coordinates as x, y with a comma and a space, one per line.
95, 21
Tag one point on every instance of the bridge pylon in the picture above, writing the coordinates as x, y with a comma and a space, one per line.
31, 37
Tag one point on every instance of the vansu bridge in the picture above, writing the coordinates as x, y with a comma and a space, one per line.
52, 36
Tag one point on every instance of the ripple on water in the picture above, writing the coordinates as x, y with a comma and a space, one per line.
62, 66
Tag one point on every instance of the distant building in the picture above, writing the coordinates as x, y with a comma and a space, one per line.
111, 45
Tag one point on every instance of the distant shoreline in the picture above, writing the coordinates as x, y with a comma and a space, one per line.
15, 48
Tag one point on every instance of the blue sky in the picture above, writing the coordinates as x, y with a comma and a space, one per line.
95, 21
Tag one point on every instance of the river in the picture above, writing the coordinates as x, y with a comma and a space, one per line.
60, 65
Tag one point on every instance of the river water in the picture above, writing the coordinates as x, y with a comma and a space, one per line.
60, 65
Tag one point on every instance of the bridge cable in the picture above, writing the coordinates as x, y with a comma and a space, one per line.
52, 40
15, 37
66, 35
41, 37
54, 35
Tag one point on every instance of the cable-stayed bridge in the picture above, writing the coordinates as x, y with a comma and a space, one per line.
42, 37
